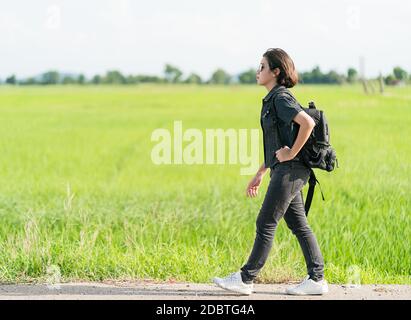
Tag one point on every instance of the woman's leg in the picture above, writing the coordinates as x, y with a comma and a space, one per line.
284, 183
297, 221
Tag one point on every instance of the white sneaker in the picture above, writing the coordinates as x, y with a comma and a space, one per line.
233, 282
309, 286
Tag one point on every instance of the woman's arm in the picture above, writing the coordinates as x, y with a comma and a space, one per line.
262, 170
254, 184
306, 126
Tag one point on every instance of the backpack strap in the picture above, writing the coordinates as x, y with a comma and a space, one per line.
312, 181
280, 91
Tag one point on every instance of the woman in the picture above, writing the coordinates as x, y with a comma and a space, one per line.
288, 175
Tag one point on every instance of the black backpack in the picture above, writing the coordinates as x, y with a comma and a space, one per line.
317, 152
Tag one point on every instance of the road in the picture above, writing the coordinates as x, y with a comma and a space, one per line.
188, 291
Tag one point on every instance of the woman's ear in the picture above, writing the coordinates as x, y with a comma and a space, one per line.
276, 72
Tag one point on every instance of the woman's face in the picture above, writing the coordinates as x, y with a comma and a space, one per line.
264, 75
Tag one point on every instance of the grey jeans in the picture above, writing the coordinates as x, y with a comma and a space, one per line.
284, 197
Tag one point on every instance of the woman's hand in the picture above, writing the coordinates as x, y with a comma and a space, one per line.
252, 188
284, 154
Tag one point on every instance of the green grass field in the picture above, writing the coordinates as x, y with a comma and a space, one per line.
78, 189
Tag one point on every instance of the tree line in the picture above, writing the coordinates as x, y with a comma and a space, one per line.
172, 74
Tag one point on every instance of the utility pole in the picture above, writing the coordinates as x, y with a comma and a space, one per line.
381, 82
362, 74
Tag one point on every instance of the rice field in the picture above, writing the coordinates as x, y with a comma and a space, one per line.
80, 196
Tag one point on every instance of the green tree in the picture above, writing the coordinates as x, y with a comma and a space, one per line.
248, 76
172, 73
400, 74
114, 77
11, 80
220, 77
193, 78
147, 78
96, 79
352, 75
50, 77
68, 80
29, 81
334, 77
317, 75
390, 80
81, 79
314, 76
131, 79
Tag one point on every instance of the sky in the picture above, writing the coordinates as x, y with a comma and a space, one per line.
140, 37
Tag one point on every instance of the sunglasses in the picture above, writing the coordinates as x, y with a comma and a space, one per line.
260, 68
